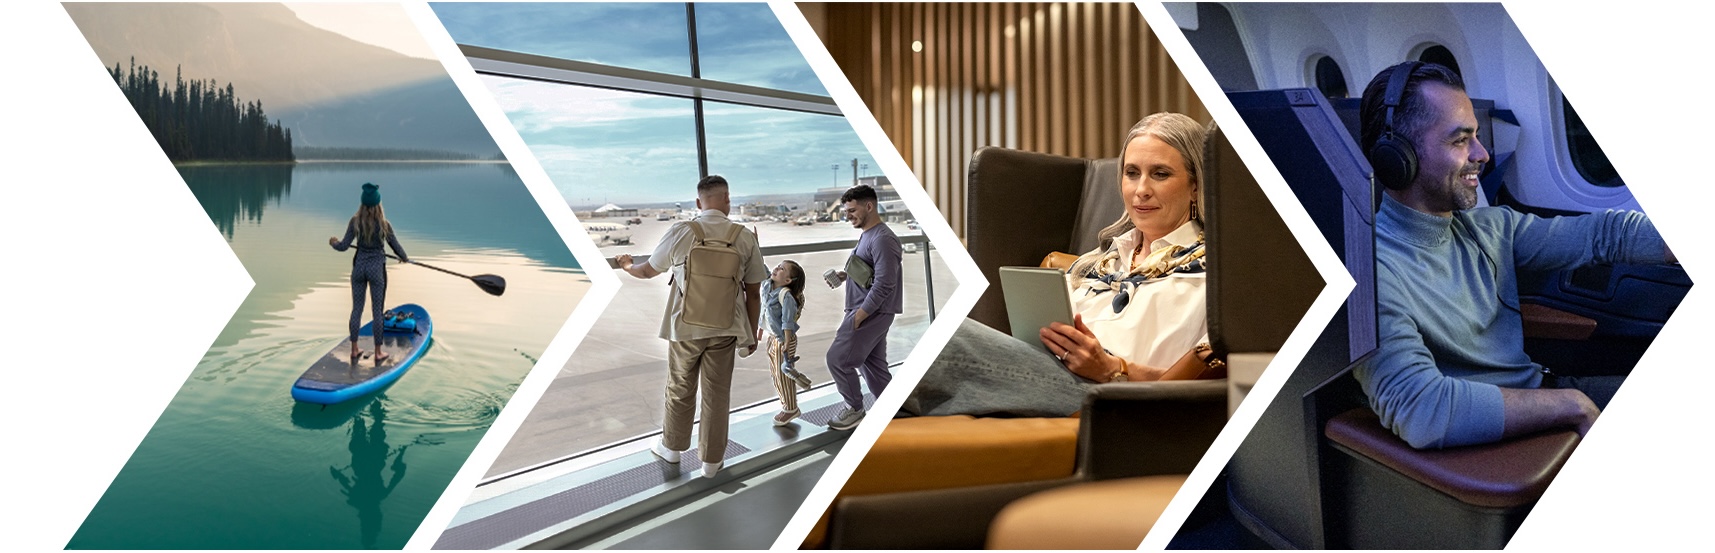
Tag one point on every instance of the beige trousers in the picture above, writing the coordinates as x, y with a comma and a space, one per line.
708, 362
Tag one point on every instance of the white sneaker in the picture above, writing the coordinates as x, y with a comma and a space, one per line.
660, 450
709, 469
847, 419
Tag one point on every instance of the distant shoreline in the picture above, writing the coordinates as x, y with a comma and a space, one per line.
232, 162
487, 161
240, 162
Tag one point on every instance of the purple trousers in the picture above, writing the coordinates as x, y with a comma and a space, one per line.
862, 350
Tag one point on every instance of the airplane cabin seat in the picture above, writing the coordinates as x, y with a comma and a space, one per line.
1372, 490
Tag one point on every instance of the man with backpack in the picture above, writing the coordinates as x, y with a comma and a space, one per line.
873, 297
713, 306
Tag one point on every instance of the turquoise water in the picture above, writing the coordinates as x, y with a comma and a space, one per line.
233, 462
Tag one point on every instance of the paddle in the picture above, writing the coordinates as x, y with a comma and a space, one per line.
493, 284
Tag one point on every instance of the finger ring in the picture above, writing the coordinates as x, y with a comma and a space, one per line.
1061, 357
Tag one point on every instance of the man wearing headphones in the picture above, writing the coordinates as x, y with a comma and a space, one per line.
1450, 368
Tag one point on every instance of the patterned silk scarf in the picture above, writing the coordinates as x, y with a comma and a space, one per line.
1158, 265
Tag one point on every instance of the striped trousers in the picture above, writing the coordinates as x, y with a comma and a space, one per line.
783, 384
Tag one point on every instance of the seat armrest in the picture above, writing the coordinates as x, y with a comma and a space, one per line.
1149, 428
1505, 474
937, 519
1541, 321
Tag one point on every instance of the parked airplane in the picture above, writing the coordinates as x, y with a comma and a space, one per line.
608, 233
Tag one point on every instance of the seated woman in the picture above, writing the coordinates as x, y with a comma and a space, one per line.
1137, 299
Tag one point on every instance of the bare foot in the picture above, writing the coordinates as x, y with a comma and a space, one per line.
380, 356
356, 353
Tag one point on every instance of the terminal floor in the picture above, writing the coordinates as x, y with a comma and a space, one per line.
748, 514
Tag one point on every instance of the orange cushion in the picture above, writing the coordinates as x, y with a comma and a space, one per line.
928, 453
1110, 514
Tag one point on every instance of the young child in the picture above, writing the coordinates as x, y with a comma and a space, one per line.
782, 303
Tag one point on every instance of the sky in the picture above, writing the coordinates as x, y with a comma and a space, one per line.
384, 25
603, 146
738, 42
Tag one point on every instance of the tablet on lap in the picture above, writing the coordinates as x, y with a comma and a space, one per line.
1035, 297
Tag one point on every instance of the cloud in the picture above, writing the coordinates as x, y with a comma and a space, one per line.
640, 36
602, 145
607, 146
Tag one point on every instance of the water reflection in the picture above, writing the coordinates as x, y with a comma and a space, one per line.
311, 416
234, 463
361, 481
233, 193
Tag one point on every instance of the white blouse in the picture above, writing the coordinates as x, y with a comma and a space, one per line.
1163, 319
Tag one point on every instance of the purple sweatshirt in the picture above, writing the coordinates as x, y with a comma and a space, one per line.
878, 247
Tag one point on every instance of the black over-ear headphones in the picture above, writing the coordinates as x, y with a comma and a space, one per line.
1394, 157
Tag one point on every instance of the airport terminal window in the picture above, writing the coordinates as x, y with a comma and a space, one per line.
598, 144
1440, 55
1329, 78
646, 36
744, 43
789, 156
624, 151
1587, 156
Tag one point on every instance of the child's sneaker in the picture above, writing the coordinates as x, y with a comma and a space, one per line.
803, 381
784, 418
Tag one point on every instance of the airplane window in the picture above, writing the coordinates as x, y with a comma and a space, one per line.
1330, 79
1440, 55
1587, 155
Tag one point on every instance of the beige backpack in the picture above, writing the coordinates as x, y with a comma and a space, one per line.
713, 277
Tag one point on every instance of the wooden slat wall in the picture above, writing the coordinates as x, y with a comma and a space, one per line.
1067, 79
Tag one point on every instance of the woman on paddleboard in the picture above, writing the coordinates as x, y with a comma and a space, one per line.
369, 229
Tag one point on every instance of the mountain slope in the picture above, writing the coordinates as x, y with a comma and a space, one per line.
331, 90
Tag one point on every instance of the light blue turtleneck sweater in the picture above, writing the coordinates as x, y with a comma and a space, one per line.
1448, 312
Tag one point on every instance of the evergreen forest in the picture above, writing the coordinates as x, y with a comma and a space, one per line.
199, 120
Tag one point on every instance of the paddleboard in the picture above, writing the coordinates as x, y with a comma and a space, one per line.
336, 377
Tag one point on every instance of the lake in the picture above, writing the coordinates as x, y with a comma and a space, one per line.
235, 463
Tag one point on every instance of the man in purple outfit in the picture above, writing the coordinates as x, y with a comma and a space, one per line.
872, 299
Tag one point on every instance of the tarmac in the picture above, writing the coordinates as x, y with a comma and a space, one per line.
612, 390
